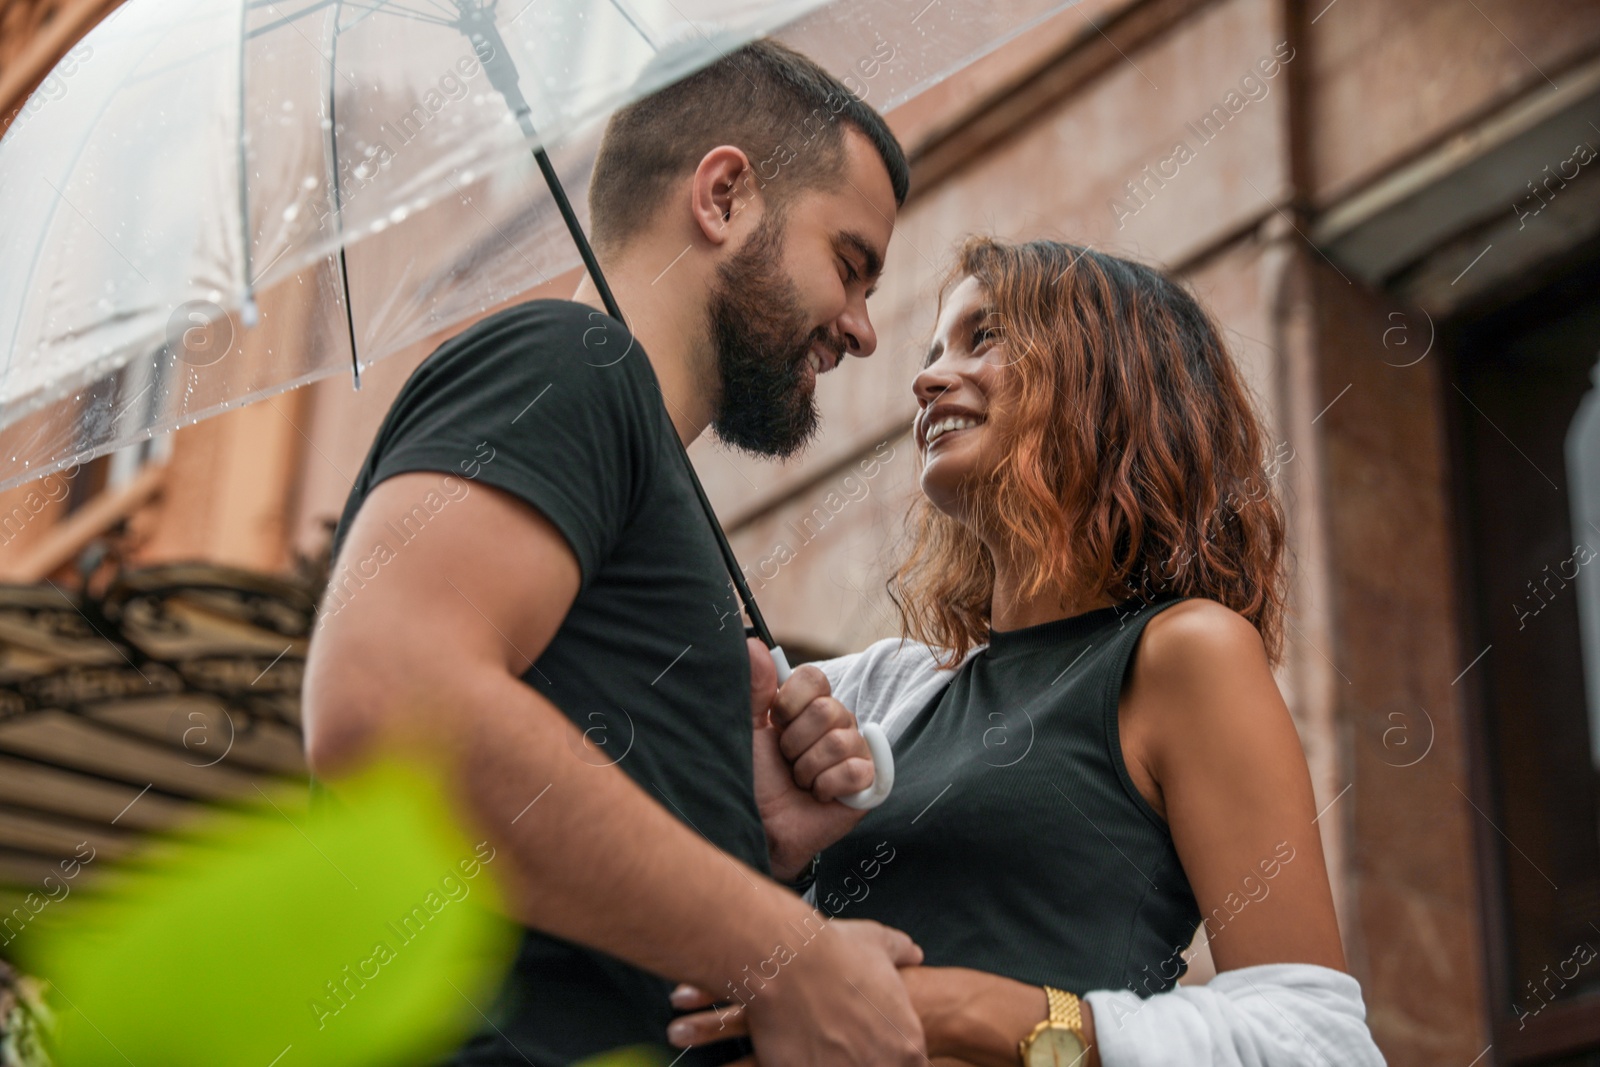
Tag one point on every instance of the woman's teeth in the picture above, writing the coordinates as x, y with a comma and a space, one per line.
948, 423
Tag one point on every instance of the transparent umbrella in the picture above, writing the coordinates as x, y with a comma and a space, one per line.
211, 201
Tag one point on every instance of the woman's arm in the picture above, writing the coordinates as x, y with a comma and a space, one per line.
1209, 741
973, 1017
969, 1018
1271, 1015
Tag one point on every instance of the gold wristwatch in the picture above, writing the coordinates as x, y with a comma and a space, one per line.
1059, 1040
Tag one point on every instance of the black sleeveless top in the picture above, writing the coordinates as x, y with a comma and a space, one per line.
1014, 840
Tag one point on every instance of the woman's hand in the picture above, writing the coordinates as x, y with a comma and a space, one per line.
807, 753
977, 1018
730, 1020
969, 1018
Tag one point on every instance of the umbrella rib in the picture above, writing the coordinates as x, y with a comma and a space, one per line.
286, 19
329, 59
632, 20
444, 10
247, 307
380, 6
390, 7
338, 198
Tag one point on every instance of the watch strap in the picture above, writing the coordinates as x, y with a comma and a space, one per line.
1066, 1013
1065, 1008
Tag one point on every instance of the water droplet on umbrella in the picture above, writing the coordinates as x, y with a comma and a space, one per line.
291, 212
309, 182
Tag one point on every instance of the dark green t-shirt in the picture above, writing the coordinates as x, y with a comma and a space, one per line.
553, 402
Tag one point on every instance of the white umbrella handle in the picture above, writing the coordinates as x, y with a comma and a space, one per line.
877, 744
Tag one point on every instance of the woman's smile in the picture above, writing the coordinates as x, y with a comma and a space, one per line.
942, 420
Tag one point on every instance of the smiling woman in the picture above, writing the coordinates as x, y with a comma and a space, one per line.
1090, 764
1093, 403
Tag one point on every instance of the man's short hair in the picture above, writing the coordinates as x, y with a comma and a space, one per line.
782, 110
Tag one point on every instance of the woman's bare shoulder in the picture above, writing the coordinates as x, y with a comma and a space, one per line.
1201, 675
1196, 629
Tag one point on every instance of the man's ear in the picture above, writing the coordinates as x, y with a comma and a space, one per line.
724, 190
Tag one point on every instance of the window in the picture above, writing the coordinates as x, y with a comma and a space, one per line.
1524, 400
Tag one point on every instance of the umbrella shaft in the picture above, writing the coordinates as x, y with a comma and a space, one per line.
487, 42
592, 265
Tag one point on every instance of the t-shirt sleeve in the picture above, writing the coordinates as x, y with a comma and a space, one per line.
536, 402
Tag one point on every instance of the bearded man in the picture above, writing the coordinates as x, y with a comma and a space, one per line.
551, 617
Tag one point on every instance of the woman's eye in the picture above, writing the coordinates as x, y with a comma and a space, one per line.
984, 335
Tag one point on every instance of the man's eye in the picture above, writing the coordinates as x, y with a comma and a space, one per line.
850, 274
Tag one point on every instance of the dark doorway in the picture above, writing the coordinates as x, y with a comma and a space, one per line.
1524, 410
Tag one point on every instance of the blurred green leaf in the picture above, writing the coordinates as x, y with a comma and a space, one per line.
362, 931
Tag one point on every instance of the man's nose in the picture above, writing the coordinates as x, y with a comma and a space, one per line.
855, 327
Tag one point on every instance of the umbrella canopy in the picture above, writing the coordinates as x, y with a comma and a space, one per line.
216, 201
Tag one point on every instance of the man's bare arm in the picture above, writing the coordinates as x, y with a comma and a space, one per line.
430, 651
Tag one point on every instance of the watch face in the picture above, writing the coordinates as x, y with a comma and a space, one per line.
1056, 1047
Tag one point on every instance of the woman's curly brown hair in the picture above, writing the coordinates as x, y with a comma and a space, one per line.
1136, 462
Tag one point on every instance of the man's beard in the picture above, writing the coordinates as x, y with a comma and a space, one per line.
761, 341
